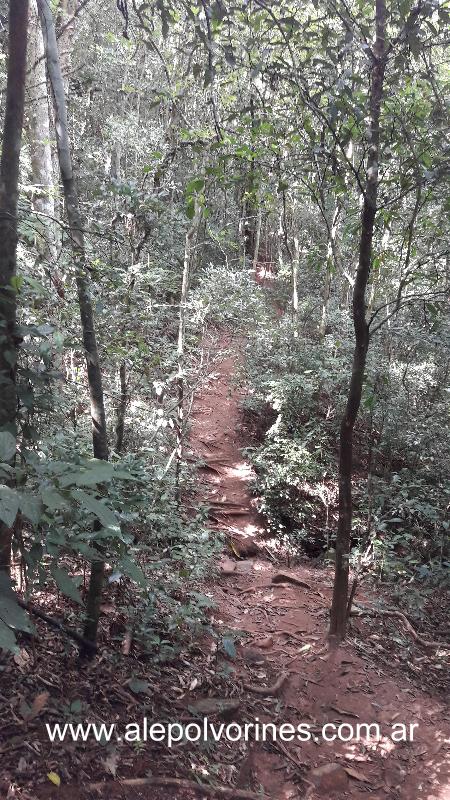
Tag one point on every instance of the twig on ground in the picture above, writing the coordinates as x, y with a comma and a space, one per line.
181, 783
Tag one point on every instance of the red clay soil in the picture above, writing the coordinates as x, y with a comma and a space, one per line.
284, 627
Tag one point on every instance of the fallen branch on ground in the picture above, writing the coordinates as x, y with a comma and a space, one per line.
54, 623
363, 609
181, 783
267, 690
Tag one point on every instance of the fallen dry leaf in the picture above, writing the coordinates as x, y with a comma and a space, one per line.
39, 703
358, 776
54, 778
110, 763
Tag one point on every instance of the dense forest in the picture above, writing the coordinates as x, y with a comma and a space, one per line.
224, 399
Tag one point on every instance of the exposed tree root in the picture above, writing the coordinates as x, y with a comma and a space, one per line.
268, 690
363, 609
180, 783
286, 577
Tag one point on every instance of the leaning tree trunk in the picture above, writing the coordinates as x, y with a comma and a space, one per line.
338, 622
99, 433
9, 180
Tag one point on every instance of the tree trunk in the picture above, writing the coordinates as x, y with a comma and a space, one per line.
257, 239
338, 621
66, 25
9, 180
122, 406
190, 238
39, 136
295, 267
99, 433
332, 260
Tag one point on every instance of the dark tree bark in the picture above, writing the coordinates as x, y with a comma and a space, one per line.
338, 622
122, 407
99, 432
9, 179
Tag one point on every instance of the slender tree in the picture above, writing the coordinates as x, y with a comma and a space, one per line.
9, 179
191, 236
338, 620
99, 432
38, 127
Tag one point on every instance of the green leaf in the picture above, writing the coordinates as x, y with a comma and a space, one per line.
137, 685
195, 185
9, 504
7, 639
54, 500
31, 507
95, 472
45, 329
190, 208
11, 613
101, 511
228, 646
133, 570
7, 446
66, 584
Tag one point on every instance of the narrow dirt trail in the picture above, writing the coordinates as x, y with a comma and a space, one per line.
226, 476
281, 630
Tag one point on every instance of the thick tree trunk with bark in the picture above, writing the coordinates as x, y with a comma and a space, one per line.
99, 433
9, 180
338, 622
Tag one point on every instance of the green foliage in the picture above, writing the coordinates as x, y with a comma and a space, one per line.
12, 616
412, 531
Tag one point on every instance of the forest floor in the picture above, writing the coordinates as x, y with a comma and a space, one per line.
277, 668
